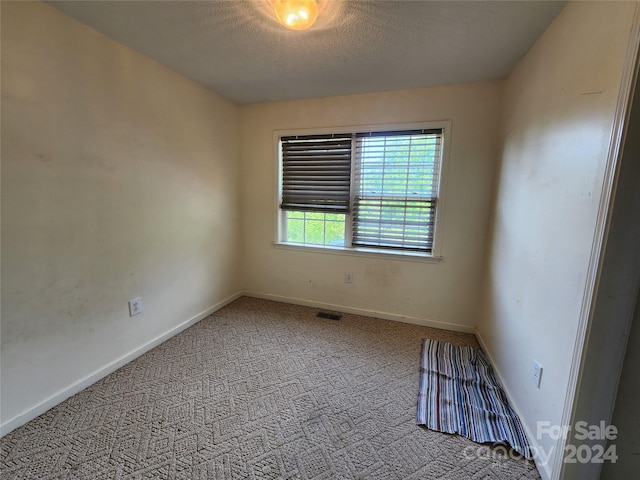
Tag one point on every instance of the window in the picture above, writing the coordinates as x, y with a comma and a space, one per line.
362, 190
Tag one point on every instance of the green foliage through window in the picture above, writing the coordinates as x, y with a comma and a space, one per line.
315, 228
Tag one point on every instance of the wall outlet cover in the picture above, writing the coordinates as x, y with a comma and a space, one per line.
135, 307
537, 374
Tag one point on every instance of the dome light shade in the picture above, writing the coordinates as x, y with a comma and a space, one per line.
296, 14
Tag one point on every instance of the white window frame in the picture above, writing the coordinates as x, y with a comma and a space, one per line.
436, 254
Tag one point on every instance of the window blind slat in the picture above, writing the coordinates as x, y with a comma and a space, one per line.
396, 188
316, 172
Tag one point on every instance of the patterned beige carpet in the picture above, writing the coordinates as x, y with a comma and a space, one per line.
258, 390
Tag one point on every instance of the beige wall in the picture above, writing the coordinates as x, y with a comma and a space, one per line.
119, 179
560, 104
445, 292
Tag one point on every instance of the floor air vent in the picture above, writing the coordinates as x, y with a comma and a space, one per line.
330, 316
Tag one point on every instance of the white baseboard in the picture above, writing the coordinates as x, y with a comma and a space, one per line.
55, 399
364, 312
544, 470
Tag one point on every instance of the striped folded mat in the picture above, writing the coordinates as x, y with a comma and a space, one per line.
459, 393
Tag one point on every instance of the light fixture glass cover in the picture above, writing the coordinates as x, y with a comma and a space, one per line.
296, 14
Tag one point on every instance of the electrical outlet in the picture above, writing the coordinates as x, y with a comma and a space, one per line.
348, 277
135, 307
537, 374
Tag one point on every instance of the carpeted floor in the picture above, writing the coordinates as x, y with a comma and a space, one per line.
258, 390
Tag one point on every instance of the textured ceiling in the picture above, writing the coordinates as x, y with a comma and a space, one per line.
237, 49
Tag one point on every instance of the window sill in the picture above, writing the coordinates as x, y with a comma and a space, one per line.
361, 252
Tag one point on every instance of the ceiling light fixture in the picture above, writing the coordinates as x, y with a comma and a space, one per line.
296, 14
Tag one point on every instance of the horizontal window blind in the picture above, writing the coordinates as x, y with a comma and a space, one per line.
396, 189
316, 172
